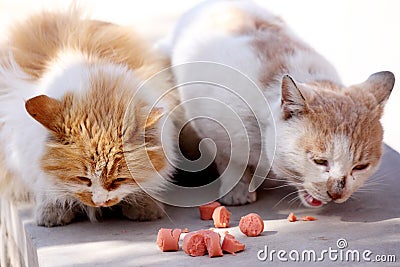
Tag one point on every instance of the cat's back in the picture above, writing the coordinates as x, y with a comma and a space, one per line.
50, 40
247, 37
37, 41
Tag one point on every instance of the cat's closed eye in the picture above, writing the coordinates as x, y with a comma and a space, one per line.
321, 162
360, 167
117, 182
120, 180
84, 180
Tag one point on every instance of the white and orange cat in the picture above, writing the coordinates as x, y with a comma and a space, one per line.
321, 136
66, 83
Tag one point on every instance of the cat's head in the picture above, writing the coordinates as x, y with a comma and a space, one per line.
330, 138
89, 147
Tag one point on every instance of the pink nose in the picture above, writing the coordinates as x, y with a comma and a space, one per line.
100, 204
335, 187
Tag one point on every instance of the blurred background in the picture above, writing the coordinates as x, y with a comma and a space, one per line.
360, 37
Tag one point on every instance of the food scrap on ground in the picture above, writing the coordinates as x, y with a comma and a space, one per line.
168, 239
251, 225
221, 217
231, 245
308, 218
206, 211
292, 217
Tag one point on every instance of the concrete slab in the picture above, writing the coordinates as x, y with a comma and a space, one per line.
368, 222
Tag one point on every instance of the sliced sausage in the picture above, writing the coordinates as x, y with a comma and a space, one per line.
168, 239
251, 224
193, 244
221, 217
207, 210
231, 245
213, 243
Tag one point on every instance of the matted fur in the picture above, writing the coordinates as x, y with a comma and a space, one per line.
328, 136
78, 77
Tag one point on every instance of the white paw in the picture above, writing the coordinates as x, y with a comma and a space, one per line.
54, 215
145, 211
239, 195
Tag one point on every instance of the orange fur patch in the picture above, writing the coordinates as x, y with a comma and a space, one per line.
88, 130
351, 117
86, 198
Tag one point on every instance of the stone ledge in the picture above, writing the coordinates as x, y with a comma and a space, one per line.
369, 222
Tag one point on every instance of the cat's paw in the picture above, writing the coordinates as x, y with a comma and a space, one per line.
53, 215
239, 195
147, 210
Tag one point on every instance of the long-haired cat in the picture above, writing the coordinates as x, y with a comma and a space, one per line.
66, 83
328, 135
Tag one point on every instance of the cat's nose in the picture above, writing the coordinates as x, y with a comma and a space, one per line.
100, 204
335, 187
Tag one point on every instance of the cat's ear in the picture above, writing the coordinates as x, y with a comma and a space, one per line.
293, 102
155, 115
45, 110
380, 85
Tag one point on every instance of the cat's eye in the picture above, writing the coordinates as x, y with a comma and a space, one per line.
120, 180
321, 162
117, 182
84, 180
360, 167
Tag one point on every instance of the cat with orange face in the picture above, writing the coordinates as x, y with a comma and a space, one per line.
76, 132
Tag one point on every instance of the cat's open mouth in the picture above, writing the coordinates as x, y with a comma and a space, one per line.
311, 201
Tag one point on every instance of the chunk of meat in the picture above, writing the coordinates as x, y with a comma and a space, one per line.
213, 243
231, 245
308, 218
251, 224
206, 211
168, 239
193, 244
221, 217
292, 217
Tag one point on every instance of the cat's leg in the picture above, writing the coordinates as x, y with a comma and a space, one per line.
240, 194
142, 208
55, 212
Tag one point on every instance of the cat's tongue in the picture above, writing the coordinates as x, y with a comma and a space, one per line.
312, 201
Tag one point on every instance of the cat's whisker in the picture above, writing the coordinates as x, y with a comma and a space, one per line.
163, 210
381, 176
294, 200
354, 197
277, 180
294, 192
373, 183
377, 191
371, 188
272, 179
277, 187
289, 174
